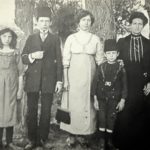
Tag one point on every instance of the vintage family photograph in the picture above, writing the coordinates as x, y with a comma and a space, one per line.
74, 74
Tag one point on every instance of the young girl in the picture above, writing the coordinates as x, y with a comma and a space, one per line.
11, 83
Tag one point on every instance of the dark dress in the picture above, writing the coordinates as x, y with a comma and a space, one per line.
132, 124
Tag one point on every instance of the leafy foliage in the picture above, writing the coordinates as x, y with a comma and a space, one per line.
122, 11
64, 22
63, 14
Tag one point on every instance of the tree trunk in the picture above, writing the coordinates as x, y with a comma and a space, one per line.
24, 20
102, 10
24, 15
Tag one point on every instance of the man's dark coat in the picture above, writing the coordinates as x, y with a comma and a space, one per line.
43, 74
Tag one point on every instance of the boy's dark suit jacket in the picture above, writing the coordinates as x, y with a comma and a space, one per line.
43, 74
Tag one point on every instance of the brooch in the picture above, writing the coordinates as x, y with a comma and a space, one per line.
145, 74
107, 83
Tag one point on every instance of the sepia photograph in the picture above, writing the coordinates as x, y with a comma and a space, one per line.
74, 74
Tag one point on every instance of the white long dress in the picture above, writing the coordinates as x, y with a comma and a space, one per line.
81, 60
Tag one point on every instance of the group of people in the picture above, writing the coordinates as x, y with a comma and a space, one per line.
108, 84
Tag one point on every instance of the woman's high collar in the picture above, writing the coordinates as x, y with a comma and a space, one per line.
83, 32
135, 35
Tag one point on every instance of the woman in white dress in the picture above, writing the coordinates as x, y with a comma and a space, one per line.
82, 51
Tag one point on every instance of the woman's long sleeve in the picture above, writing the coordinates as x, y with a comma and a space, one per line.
124, 84
99, 57
67, 52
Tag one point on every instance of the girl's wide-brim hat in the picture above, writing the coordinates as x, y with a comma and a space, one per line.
12, 27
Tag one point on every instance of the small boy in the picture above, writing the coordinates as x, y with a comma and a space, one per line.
110, 91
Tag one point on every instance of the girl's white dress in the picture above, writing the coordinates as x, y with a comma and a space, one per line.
81, 60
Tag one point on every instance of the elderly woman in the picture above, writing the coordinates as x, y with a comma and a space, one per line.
82, 51
135, 52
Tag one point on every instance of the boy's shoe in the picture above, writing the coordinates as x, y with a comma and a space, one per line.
102, 144
38, 148
71, 141
110, 145
46, 144
83, 141
30, 146
11, 146
1, 146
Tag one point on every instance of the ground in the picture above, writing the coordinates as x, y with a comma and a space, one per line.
57, 137
57, 140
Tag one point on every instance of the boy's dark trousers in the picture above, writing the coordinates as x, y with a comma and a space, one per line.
38, 131
9, 134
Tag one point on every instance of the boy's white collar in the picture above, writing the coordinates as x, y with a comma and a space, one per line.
44, 31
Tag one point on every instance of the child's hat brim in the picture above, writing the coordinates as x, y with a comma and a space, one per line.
14, 28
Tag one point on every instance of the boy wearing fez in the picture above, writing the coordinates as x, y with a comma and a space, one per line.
110, 91
42, 54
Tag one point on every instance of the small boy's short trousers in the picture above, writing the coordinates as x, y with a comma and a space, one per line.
107, 114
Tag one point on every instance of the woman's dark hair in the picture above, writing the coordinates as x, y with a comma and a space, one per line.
139, 15
13, 42
83, 13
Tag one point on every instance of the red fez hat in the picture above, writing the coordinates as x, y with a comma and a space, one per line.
43, 12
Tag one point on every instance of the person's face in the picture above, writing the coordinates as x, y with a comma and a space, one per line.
6, 38
85, 23
44, 23
111, 56
137, 26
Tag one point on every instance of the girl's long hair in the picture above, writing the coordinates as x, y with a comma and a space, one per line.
13, 42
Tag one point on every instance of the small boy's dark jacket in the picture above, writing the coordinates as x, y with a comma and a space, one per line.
43, 74
112, 85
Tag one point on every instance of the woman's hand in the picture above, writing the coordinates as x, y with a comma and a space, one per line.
66, 85
66, 80
120, 105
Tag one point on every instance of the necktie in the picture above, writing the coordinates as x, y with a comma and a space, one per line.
43, 36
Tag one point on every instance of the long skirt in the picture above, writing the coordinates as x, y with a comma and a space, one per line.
83, 115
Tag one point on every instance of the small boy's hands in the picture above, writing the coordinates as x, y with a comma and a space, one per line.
96, 103
121, 105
